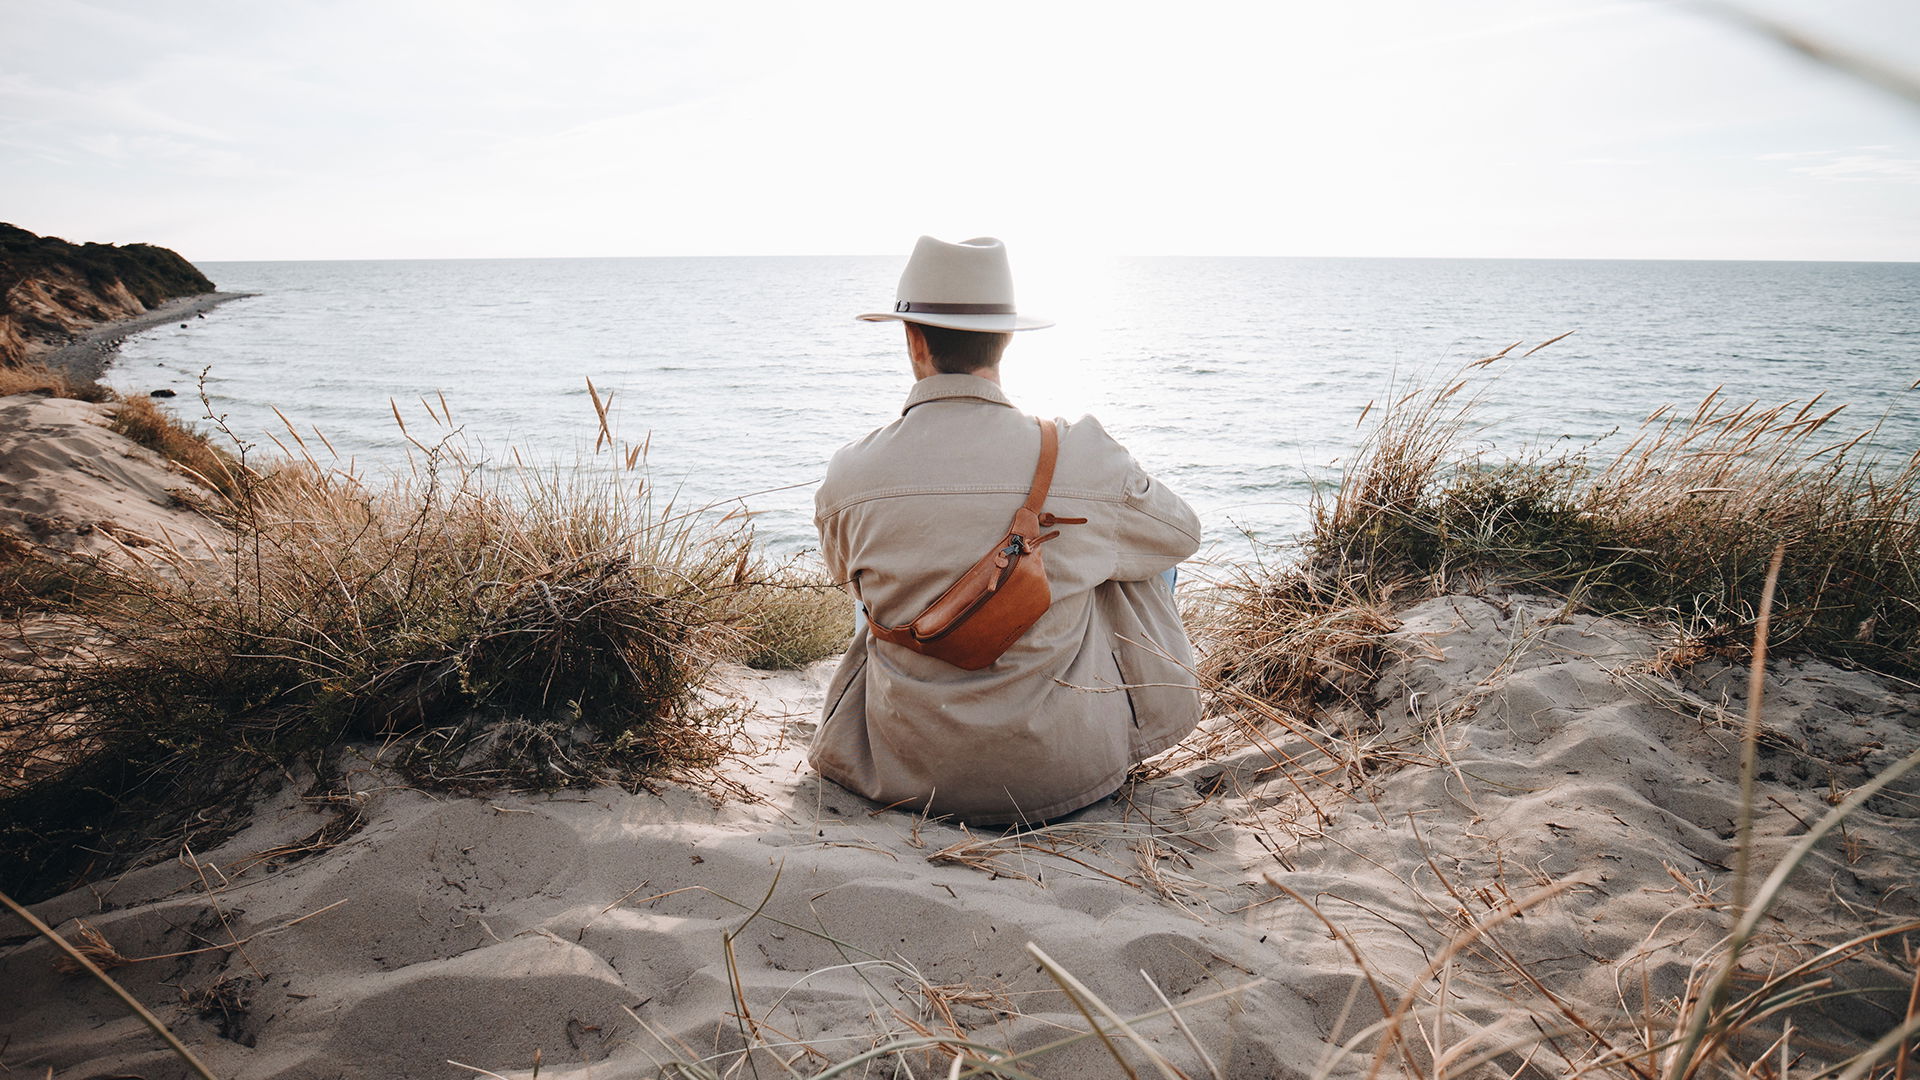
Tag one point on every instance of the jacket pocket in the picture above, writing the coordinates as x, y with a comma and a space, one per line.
1160, 690
1127, 688
851, 668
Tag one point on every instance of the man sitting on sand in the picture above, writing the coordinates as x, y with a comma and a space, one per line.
1099, 682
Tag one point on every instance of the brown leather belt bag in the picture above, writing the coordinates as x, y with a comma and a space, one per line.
1000, 597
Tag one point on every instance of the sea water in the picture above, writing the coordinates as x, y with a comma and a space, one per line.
1240, 382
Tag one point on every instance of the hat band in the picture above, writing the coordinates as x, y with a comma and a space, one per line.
926, 308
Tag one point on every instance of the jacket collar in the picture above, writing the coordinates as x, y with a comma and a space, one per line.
948, 387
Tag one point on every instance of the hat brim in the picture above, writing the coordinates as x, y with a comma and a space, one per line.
989, 323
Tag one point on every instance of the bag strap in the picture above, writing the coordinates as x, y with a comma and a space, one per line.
1029, 513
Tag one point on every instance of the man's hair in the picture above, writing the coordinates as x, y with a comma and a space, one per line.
962, 352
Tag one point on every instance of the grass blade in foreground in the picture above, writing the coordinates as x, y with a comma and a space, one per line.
110, 983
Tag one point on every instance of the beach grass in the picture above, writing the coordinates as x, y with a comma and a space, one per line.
530, 627
41, 379
34, 579
537, 628
1676, 525
181, 443
1735, 529
790, 617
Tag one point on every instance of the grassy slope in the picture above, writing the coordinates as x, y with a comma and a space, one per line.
535, 630
1678, 526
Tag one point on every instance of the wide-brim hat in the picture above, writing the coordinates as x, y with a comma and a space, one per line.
965, 286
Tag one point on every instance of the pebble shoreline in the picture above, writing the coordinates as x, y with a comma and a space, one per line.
86, 358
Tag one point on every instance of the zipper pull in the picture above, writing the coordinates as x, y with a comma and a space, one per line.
1016, 547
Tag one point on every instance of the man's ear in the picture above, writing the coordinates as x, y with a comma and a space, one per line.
917, 349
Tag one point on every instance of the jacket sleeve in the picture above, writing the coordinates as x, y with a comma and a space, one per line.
833, 543
1154, 530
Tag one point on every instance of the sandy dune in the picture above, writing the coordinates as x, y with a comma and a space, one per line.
69, 483
1514, 750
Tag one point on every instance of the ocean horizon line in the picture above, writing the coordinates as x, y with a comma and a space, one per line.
1667, 260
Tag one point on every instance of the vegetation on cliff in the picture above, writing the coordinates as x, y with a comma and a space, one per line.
49, 288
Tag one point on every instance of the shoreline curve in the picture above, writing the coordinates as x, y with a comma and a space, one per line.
87, 358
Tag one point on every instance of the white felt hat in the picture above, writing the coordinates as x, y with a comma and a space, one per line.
959, 286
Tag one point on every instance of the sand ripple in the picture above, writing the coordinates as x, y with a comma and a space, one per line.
1510, 747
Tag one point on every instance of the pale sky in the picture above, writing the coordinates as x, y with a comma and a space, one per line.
1502, 128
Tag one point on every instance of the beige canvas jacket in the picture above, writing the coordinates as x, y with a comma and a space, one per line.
1100, 682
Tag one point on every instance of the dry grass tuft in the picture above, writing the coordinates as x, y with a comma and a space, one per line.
38, 579
1301, 633
789, 618
1679, 525
40, 379
538, 628
139, 419
95, 947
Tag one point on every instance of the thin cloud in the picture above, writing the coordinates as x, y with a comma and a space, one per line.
363, 128
29, 103
1871, 167
1865, 164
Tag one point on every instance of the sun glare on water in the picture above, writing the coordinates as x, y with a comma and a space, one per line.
1056, 372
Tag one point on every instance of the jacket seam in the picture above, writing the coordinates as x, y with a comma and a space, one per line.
1155, 746
912, 405
1150, 555
973, 489
1126, 691
1086, 797
859, 670
1174, 525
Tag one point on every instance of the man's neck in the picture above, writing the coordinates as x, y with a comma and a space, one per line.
926, 370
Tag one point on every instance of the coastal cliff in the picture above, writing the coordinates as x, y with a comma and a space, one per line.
52, 291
